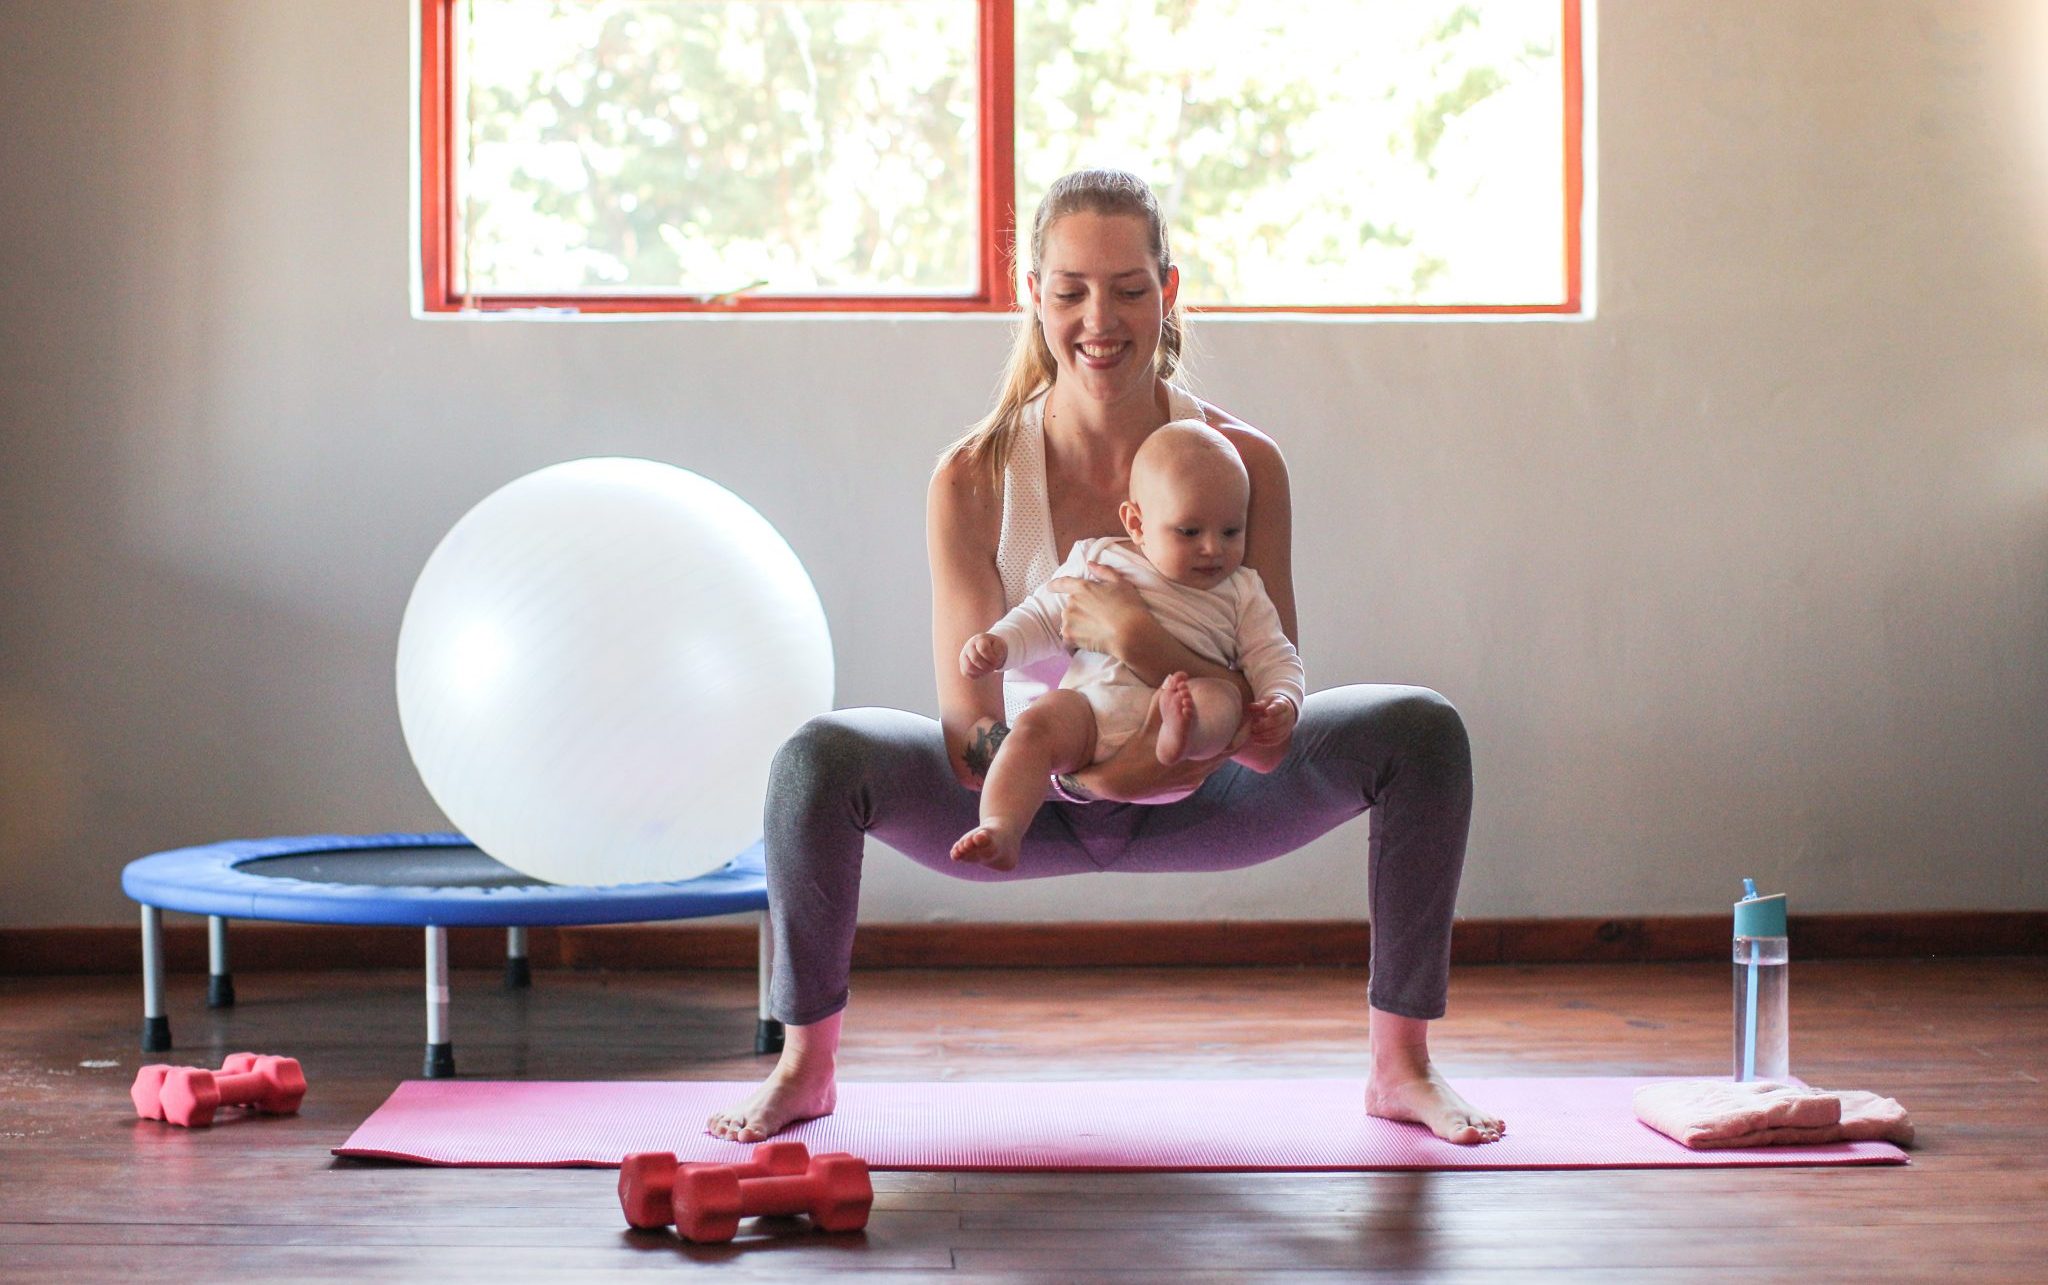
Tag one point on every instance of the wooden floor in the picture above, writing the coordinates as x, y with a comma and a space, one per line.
89, 1193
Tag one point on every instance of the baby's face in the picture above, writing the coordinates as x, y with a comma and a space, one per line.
1189, 522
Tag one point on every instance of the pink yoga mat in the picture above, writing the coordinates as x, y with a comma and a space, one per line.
1105, 1125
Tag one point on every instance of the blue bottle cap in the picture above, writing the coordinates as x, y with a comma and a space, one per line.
1760, 916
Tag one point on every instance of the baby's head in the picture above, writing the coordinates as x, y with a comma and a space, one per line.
1189, 493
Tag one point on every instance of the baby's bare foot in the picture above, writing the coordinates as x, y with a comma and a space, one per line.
1176, 718
1429, 1100
782, 1100
990, 845
975, 844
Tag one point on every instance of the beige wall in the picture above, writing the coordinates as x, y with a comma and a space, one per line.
1746, 575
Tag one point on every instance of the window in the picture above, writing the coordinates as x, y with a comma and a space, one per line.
747, 155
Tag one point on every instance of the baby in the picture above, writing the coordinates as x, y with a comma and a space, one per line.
1185, 555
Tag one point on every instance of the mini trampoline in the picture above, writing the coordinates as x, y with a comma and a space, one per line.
435, 881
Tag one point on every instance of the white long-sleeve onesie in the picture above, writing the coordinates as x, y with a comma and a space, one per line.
1233, 624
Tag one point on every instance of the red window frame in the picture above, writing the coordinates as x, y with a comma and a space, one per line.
996, 289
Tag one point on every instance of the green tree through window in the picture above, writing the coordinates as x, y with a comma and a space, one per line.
1320, 153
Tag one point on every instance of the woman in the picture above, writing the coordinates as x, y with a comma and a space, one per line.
1087, 382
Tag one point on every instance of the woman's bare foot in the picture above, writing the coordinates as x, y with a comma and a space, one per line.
779, 1102
803, 1086
1430, 1101
1406, 1086
1176, 718
993, 845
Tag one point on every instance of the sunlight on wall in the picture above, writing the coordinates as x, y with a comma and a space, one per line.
2034, 77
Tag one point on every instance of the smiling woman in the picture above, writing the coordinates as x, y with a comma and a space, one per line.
1087, 388
666, 155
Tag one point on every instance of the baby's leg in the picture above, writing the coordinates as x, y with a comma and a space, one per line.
1056, 733
1197, 717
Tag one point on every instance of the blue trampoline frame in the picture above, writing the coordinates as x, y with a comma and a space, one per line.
207, 880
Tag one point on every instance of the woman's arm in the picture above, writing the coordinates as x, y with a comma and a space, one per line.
1269, 526
962, 517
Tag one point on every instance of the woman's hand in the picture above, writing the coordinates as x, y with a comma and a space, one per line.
1107, 614
1134, 773
1101, 611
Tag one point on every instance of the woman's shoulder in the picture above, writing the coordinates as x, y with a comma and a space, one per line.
963, 496
1260, 453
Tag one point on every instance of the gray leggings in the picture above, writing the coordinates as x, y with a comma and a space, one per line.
856, 772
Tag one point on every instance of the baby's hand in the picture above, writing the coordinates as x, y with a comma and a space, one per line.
1272, 720
983, 654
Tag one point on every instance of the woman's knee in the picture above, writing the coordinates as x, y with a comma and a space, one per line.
1431, 725
1434, 720
828, 750
1410, 722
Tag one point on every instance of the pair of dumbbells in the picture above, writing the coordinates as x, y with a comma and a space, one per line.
707, 1201
190, 1095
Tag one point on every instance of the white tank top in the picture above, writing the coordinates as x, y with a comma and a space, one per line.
1025, 556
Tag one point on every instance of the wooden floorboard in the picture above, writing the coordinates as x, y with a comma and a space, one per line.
88, 1193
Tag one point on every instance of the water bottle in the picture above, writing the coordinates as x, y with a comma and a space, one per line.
1763, 1033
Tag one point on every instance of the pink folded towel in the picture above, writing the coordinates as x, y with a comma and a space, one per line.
1704, 1114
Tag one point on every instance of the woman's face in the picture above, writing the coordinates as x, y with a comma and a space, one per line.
1101, 304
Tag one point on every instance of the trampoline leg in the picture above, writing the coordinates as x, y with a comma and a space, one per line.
440, 1059
220, 983
156, 1028
767, 1031
518, 972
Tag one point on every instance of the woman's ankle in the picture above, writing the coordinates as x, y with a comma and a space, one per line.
804, 1075
810, 1052
1399, 1046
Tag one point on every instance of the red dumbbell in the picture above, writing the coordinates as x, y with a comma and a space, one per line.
147, 1091
273, 1085
647, 1179
707, 1201
710, 1200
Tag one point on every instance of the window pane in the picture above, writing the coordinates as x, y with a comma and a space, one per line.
1315, 151
693, 147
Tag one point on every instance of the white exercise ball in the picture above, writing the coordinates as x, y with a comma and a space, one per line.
597, 665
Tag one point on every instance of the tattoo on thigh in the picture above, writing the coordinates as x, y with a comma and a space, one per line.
981, 749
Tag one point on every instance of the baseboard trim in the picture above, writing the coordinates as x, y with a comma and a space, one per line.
260, 946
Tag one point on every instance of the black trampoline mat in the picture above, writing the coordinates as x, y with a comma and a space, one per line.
408, 867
